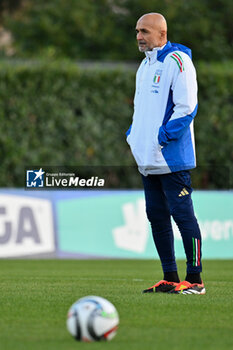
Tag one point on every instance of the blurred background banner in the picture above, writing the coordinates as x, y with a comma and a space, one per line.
102, 224
27, 226
114, 224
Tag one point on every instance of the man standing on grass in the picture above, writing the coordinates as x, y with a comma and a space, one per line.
162, 142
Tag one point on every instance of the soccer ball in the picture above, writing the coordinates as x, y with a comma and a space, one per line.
92, 318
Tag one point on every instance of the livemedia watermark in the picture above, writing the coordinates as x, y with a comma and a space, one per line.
41, 179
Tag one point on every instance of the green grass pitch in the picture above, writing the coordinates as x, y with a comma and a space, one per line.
35, 296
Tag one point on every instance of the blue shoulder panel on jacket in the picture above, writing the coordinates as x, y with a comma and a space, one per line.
171, 47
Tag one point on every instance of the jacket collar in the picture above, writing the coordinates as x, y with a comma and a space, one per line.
165, 50
153, 54
159, 53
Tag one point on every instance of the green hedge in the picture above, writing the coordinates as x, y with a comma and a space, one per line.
57, 114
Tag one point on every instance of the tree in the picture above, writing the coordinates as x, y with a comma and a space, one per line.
9, 6
104, 29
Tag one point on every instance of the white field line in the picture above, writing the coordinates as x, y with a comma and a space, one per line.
109, 279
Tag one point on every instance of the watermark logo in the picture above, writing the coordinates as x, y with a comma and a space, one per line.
39, 179
35, 178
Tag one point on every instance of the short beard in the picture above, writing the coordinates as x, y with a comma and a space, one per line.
145, 49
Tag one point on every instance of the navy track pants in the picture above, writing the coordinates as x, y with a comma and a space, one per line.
170, 195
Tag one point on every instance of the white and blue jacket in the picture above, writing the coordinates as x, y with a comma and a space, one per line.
161, 136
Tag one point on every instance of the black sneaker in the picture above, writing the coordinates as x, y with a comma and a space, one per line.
186, 287
161, 287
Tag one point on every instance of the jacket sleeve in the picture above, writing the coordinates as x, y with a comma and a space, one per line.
128, 131
135, 94
184, 96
